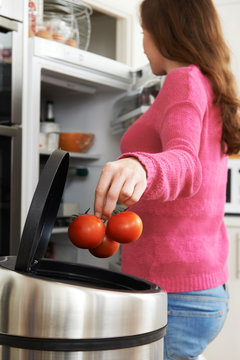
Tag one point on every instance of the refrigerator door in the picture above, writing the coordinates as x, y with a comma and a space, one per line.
127, 109
141, 75
10, 189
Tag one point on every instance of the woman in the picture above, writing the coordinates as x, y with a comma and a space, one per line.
173, 171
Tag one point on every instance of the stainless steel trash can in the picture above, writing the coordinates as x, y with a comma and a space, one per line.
52, 310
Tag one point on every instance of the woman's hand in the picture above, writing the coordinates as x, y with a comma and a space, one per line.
122, 180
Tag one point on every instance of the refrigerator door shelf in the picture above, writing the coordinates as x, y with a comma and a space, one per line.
123, 122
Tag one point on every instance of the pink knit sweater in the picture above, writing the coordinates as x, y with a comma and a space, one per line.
184, 245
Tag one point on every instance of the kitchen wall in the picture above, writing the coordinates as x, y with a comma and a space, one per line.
229, 11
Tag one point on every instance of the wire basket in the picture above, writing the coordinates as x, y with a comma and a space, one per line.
69, 21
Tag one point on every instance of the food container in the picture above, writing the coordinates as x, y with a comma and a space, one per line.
66, 21
49, 136
52, 310
61, 28
75, 141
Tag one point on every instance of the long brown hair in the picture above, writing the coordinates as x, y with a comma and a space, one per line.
189, 31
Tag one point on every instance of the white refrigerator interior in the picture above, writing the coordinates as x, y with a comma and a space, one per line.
84, 88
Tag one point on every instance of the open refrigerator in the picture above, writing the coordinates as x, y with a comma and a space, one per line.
93, 94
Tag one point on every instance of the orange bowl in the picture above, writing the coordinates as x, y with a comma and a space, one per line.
75, 142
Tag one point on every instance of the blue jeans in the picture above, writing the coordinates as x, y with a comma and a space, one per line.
194, 319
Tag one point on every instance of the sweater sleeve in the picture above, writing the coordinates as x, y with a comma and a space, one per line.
176, 171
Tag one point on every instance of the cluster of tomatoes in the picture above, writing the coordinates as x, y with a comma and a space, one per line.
89, 232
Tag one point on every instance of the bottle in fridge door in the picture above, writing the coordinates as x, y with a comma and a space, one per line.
49, 130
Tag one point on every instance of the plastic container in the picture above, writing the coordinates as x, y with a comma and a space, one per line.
66, 21
49, 136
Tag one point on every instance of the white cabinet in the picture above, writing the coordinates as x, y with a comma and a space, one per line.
111, 20
227, 345
128, 37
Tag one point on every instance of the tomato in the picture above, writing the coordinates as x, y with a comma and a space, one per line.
86, 231
107, 248
124, 227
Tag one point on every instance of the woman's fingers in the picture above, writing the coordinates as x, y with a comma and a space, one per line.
113, 195
123, 180
135, 195
102, 189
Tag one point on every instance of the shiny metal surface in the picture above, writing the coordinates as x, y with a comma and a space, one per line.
152, 351
49, 309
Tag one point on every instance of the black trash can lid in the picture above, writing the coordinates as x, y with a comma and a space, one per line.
43, 211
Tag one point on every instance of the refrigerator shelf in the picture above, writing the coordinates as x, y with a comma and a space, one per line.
136, 112
82, 156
